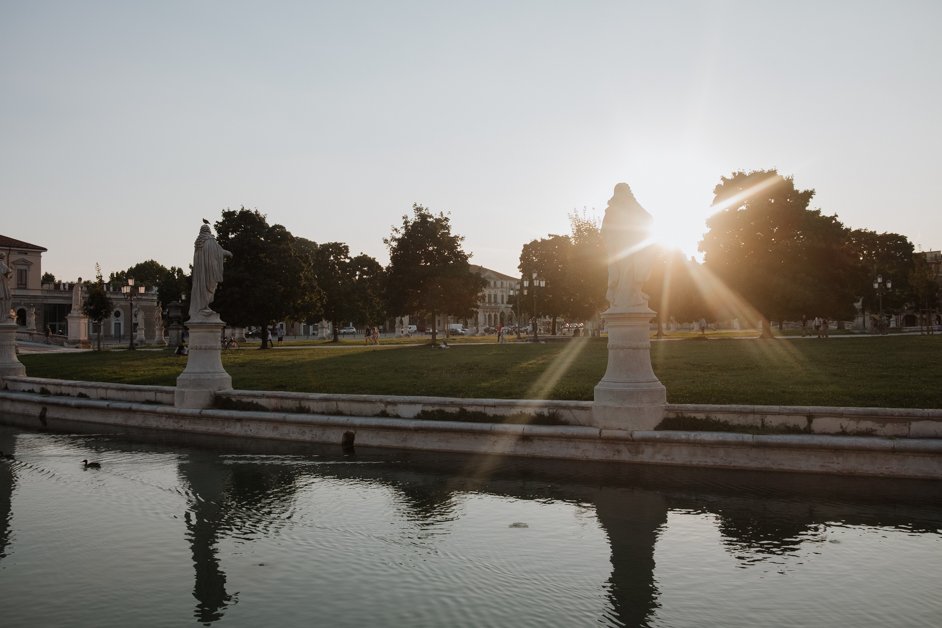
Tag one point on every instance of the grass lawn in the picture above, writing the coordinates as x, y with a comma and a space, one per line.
887, 371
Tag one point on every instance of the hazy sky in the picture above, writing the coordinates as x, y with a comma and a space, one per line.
122, 124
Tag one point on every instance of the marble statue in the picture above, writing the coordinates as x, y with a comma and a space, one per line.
625, 232
208, 258
77, 296
31, 318
6, 292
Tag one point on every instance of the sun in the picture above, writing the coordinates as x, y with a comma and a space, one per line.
678, 232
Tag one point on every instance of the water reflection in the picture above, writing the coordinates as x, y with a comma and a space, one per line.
239, 491
7, 484
241, 497
206, 510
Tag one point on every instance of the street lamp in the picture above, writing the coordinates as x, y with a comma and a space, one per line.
535, 283
130, 291
882, 286
514, 308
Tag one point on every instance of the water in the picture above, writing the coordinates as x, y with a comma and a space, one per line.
189, 531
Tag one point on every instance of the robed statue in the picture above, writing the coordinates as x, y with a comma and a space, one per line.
208, 258
6, 292
626, 231
77, 297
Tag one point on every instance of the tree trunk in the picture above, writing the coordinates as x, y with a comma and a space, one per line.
335, 330
264, 336
766, 329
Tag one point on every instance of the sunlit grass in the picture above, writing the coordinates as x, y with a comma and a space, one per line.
889, 371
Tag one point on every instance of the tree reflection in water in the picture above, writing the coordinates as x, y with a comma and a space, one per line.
249, 490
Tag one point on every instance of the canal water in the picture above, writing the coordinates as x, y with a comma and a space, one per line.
193, 531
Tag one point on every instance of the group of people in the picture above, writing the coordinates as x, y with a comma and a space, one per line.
820, 325
371, 335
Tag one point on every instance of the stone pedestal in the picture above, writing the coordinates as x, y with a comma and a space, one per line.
10, 365
175, 334
78, 328
629, 396
204, 374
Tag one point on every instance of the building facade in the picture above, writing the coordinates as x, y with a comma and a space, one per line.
495, 307
46, 306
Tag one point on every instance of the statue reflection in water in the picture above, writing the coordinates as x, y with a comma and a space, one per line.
7, 485
631, 505
228, 499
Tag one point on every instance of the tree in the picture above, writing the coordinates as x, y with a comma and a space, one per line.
148, 273
369, 282
673, 289
549, 259
782, 258
889, 255
97, 305
48, 278
588, 268
352, 288
269, 277
172, 284
925, 290
428, 272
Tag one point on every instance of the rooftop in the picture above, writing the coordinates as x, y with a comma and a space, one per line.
12, 243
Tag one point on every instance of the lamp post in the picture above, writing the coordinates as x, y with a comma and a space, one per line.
881, 286
130, 291
514, 308
534, 284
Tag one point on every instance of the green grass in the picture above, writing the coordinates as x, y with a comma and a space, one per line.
888, 371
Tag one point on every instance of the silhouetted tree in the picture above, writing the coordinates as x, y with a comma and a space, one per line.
428, 272
780, 256
352, 287
97, 305
269, 277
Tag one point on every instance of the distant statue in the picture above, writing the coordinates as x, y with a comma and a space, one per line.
625, 230
6, 291
77, 296
31, 318
208, 259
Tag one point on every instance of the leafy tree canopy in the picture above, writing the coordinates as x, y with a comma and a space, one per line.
270, 275
888, 255
352, 287
97, 305
428, 272
783, 258
550, 260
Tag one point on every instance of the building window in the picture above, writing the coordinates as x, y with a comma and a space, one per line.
22, 274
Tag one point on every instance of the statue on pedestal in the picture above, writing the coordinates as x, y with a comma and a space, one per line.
208, 258
77, 299
6, 292
625, 231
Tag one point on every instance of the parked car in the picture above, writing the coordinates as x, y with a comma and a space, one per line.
457, 329
348, 331
410, 329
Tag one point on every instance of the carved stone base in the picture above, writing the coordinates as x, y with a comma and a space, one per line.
10, 365
629, 396
78, 328
204, 375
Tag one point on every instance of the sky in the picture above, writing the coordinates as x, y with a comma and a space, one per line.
123, 124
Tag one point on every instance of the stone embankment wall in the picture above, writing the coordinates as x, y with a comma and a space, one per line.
283, 416
887, 422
